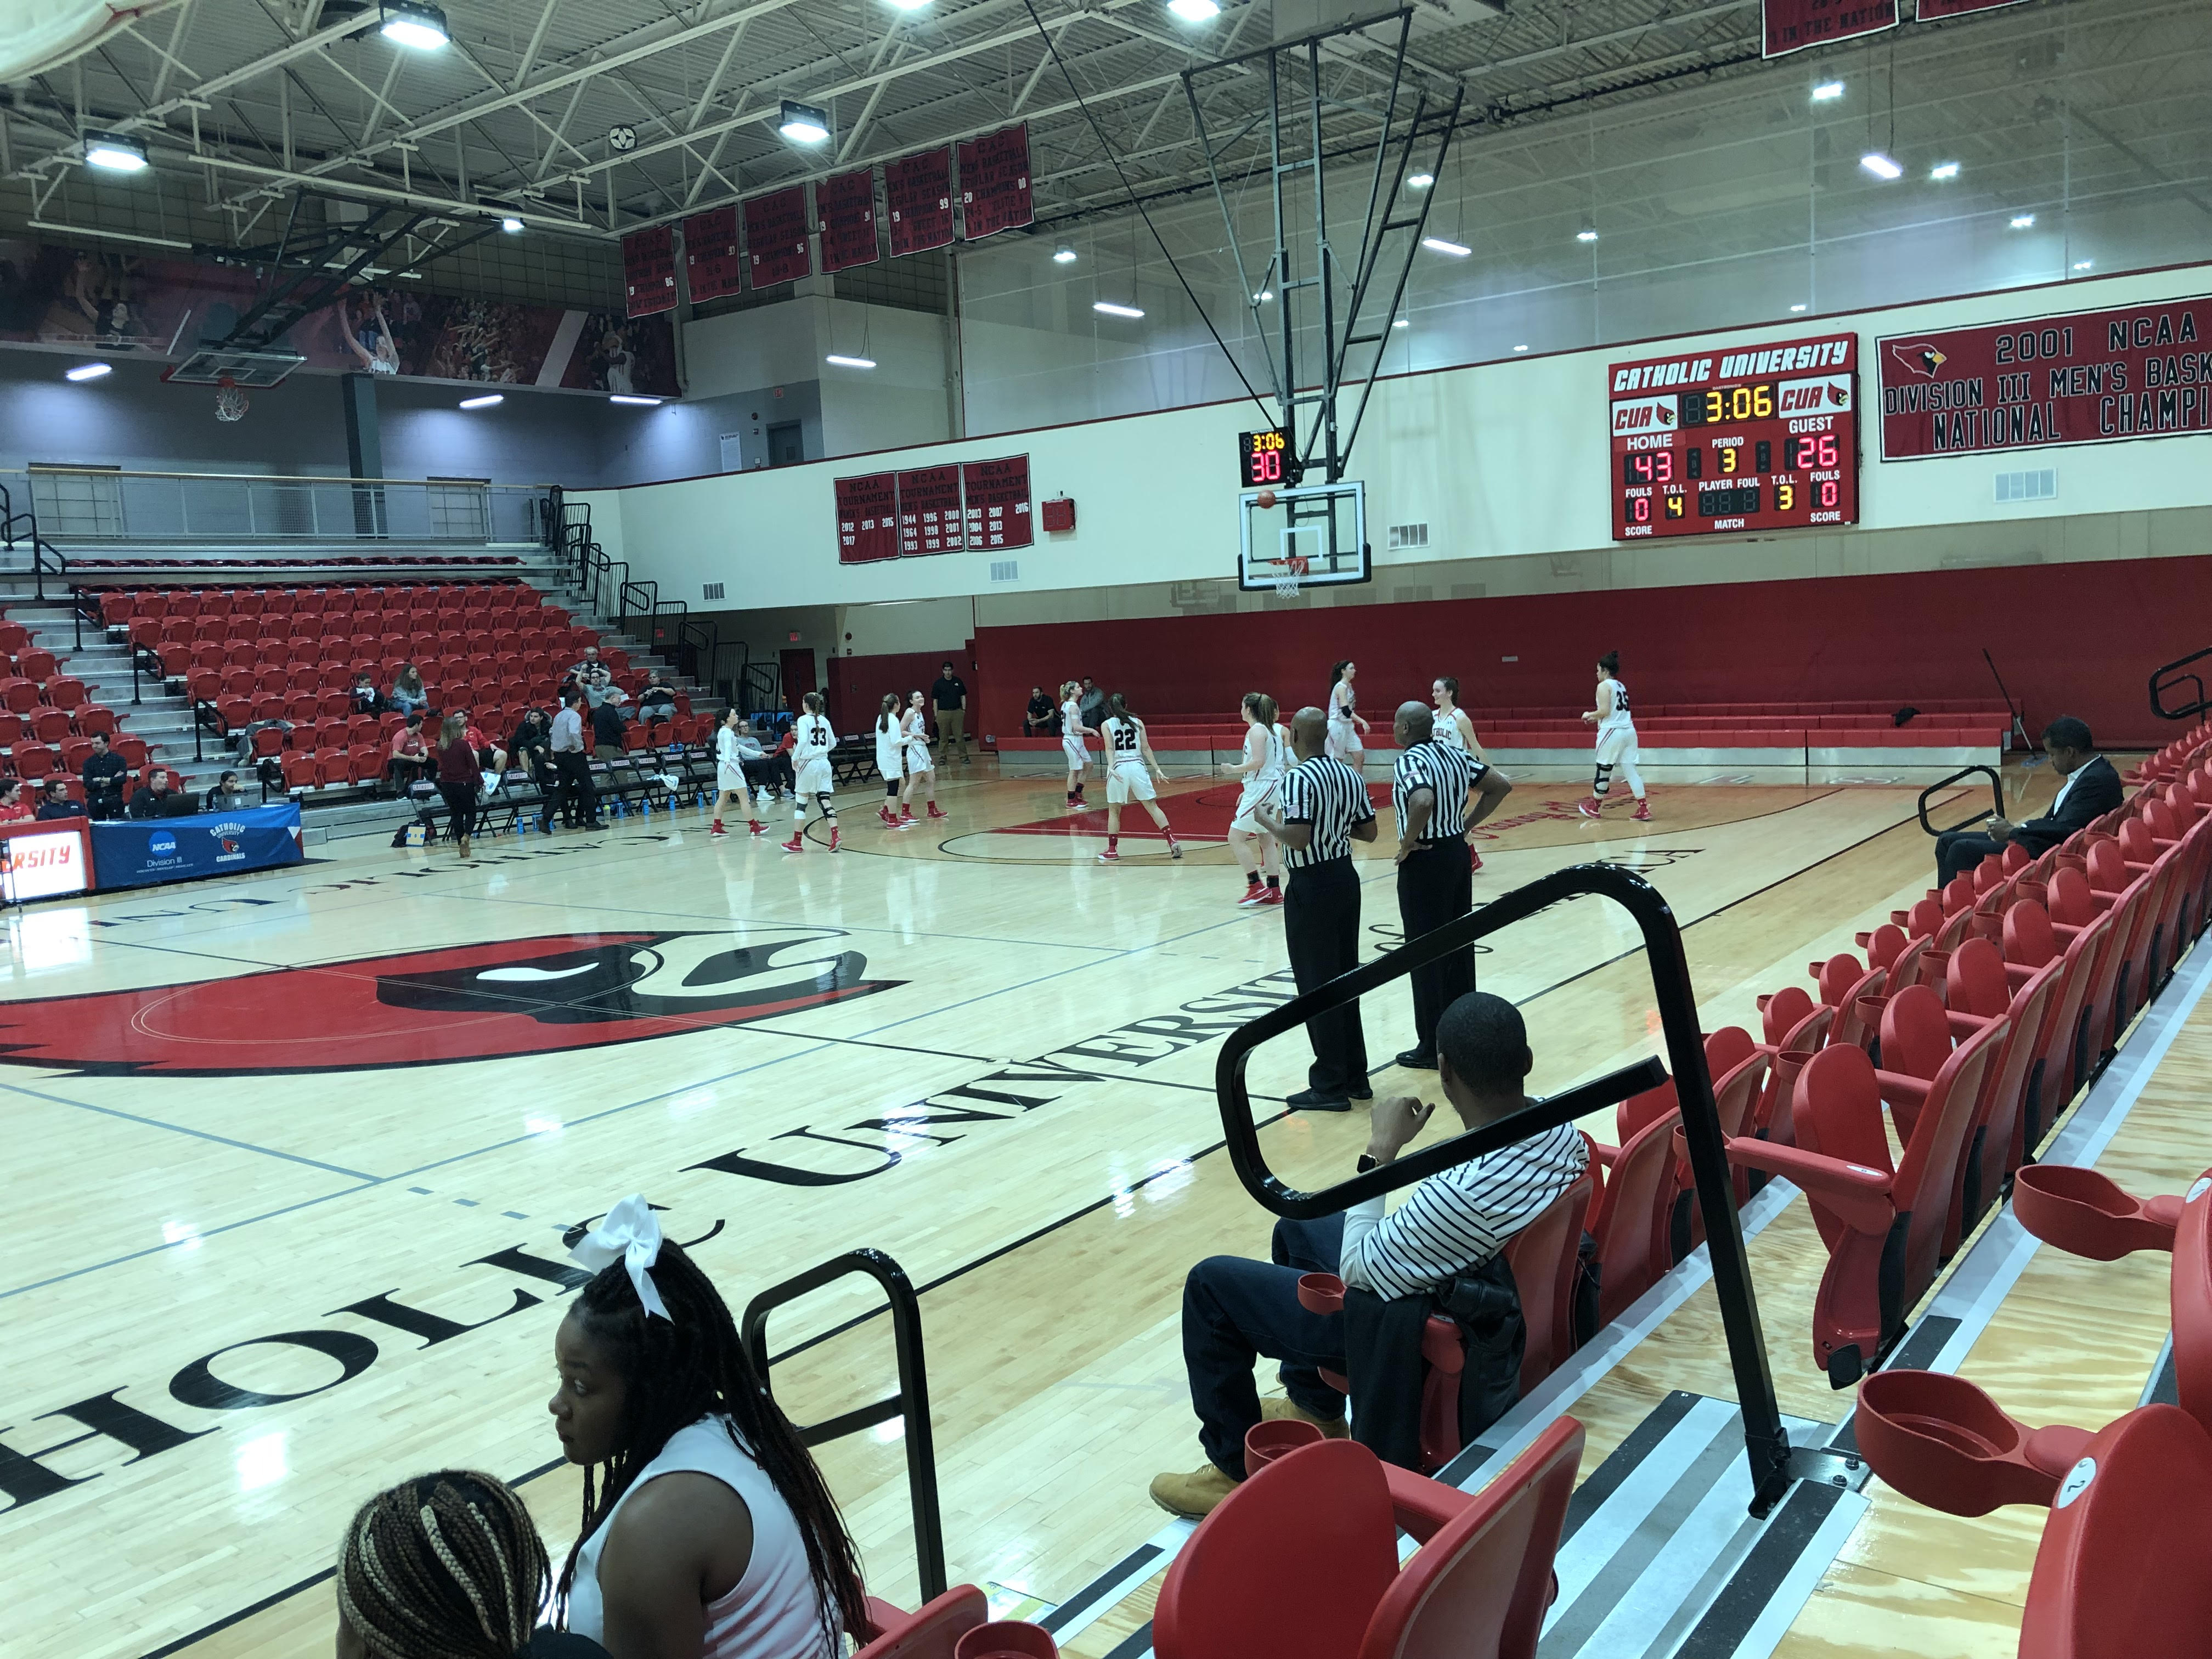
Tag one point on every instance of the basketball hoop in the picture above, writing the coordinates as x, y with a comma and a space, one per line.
230, 402
1291, 568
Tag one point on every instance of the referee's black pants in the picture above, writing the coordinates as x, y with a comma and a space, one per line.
1321, 925
1436, 886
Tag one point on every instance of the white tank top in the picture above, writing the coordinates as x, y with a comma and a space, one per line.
772, 1613
1124, 740
1445, 734
816, 739
1340, 702
1071, 716
1618, 720
1274, 752
726, 747
915, 725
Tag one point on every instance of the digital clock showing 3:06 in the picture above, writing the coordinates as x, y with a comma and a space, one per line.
1736, 441
1264, 459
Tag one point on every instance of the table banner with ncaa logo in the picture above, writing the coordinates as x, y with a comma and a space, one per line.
138, 852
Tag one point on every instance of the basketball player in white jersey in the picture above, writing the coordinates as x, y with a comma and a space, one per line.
1616, 741
1345, 728
890, 757
1130, 767
921, 765
810, 764
1454, 730
1073, 732
730, 777
1266, 757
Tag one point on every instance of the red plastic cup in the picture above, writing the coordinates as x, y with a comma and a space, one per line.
1007, 1638
1265, 1442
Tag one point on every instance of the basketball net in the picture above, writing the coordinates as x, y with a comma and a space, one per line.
1291, 568
230, 403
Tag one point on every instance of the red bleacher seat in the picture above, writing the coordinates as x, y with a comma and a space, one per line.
13, 637
133, 750
32, 761
300, 771
35, 663
66, 691
50, 726
234, 712
245, 602
75, 752
184, 603
93, 720
269, 741
11, 730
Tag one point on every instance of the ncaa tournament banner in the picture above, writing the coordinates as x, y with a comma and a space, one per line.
1789, 25
139, 853
2084, 377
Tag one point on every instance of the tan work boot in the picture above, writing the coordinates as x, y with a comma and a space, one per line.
1192, 1496
1276, 1409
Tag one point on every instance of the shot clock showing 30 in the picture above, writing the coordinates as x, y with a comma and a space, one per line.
1761, 438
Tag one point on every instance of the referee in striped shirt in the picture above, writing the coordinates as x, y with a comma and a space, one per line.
1324, 809
1438, 795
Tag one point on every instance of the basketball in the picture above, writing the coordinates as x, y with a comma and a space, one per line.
1266, 498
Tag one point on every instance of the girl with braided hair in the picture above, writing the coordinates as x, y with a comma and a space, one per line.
447, 1566
707, 1531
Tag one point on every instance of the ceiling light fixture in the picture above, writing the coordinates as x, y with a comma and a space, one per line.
1795, 308
1438, 245
1108, 309
1880, 165
804, 123
94, 371
114, 152
1193, 11
414, 23
1943, 170
2022, 220
484, 402
1403, 322
1063, 256
2079, 265
1585, 236
910, 5
849, 363
511, 225
1420, 181
635, 402
1827, 92
1263, 296
1519, 348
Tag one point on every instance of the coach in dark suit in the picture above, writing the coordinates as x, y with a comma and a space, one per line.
2091, 790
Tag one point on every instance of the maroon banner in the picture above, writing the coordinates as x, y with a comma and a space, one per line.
998, 501
919, 191
649, 270
1931, 10
929, 510
713, 266
994, 182
775, 237
2087, 377
1793, 25
847, 208
867, 518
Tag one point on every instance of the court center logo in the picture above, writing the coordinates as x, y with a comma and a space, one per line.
496, 1000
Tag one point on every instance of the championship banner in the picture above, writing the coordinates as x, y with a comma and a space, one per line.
649, 270
919, 191
997, 501
713, 266
138, 852
1933, 10
846, 205
2084, 377
1793, 25
775, 237
867, 518
994, 182
929, 510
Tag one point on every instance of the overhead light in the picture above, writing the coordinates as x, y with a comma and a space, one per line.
1263, 296
1944, 170
2079, 265
2022, 220
511, 225
1519, 348
625, 397
910, 5
803, 123
1063, 256
850, 363
1403, 322
484, 402
1796, 308
1585, 236
94, 371
1108, 309
414, 23
1880, 165
1827, 92
114, 152
1438, 245
1193, 11
1420, 181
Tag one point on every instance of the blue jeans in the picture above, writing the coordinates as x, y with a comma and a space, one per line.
1236, 1310
402, 703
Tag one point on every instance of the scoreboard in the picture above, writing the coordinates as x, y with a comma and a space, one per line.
1735, 441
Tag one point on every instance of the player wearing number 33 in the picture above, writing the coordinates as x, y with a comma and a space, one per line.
1130, 766
1616, 741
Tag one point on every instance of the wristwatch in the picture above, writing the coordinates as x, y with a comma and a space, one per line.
1367, 1161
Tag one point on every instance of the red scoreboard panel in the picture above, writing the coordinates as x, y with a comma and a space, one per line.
1763, 438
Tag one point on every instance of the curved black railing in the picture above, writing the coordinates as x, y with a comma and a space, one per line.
1774, 1463
911, 1404
2164, 678
1997, 798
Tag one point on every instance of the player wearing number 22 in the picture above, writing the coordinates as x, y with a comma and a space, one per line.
1130, 766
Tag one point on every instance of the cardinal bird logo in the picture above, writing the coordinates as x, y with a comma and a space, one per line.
1665, 412
1918, 357
498, 1000
1837, 395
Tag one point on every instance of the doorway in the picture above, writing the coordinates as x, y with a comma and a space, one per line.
797, 667
785, 444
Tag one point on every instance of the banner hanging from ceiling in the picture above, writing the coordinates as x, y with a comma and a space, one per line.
994, 182
713, 266
1793, 25
649, 270
775, 237
919, 191
846, 205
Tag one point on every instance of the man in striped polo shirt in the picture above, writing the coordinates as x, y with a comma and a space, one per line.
1450, 1226
1438, 794
1322, 809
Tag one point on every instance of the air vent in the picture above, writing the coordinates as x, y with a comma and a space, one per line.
1408, 535
1470, 590
1420, 595
1005, 570
2038, 486
710, 591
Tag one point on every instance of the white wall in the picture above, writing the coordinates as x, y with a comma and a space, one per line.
871, 630
1501, 460
902, 400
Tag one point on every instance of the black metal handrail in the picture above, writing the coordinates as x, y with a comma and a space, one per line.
2159, 683
1774, 1463
145, 659
911, 1404
696, 641
206, 717
645, 594
1997, 798
45, 560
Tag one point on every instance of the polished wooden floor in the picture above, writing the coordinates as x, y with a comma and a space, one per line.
1018, 1108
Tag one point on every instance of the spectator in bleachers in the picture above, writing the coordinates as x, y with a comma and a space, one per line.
658, 701
410, 754
489, 755
606, 731
1042, 718
14, 809
2091, 790
532, 750
151, 799
448, 1565
579, 796
409, 694
104, 776
458, 780
592, 676
251, 729
769, 774
227, 796
366, 700
57, 803
706, 1526
1439, 1245
1091, 704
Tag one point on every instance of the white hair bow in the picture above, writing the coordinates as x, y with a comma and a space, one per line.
631, 1234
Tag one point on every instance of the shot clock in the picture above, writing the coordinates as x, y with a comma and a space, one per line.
1264, 459
1737, 441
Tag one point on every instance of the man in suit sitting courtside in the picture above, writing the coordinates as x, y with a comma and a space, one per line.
2091, 788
